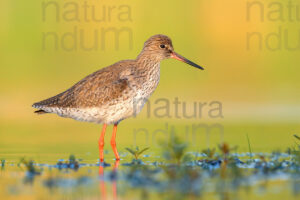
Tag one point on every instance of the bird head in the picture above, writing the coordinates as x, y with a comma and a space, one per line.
160, 47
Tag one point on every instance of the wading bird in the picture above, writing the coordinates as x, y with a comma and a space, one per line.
116, 92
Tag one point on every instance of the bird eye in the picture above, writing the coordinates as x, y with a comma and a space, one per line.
162, 46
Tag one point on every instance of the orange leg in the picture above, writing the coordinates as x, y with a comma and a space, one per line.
101, 143
113, 142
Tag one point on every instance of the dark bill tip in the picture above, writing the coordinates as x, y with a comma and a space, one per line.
183, 59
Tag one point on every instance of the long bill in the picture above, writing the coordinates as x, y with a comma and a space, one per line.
183, 59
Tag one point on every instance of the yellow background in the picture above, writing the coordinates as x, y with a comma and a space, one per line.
259, 89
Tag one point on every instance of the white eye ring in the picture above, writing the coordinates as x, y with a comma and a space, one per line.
162, 46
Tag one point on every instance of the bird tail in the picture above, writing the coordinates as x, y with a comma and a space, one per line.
43, 105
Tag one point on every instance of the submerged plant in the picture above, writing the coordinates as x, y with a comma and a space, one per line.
175, 151
297, 137
182, 180
295, 152
31, 170
137, 152
72, 163
2, 164
30, 166
249, 146
210, 153
143, 176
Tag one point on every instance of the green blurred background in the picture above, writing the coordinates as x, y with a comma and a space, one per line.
255, 79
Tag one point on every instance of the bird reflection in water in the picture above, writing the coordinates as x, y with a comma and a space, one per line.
102, 183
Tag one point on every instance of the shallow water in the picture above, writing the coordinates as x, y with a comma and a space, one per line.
263, 176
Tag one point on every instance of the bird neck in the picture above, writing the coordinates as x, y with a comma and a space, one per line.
146, 59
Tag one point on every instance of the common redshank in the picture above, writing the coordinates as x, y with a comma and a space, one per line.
116, 92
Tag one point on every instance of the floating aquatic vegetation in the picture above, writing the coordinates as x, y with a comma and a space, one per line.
72, 163
30, 166
31, 170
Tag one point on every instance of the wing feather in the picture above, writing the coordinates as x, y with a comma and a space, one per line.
98, 88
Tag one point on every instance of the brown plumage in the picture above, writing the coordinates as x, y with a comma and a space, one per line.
116, 92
